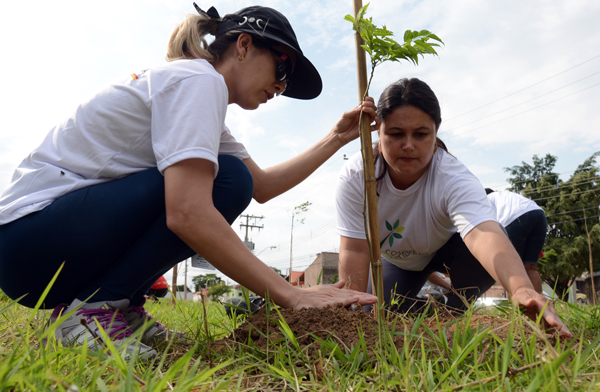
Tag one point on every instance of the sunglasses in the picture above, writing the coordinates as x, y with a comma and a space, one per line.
283, 70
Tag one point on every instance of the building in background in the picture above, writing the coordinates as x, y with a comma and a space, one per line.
297, 279
237, 292
323, 270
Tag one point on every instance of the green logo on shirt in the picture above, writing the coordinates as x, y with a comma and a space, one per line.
395, 232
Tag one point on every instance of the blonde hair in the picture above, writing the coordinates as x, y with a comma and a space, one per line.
188, 39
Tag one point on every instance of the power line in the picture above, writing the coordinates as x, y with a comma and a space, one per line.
595, 207
533, 178
524, 102
563, 195
561, 185
298, 196
525, 88
523, 112
573, 220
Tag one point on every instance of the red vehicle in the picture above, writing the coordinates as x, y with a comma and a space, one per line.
159, 289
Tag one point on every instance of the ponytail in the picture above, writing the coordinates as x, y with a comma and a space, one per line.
188, 39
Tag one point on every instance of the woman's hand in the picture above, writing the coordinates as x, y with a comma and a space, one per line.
347, 127
533, 304
322, 296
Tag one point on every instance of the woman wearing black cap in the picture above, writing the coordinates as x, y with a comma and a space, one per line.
145, 174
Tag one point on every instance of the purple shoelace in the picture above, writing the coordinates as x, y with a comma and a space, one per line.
118, 329
141, 311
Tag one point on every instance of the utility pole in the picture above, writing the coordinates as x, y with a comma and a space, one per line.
174, 284
295, 211
185, 281
291, 245
247, 225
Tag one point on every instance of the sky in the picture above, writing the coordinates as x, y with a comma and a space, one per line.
513, 78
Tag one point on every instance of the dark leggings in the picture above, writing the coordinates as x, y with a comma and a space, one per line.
527, 234
468, 277
113, 237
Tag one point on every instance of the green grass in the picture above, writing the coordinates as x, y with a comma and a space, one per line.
483, 350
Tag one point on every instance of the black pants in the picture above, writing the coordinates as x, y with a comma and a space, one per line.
113, 237
468, 277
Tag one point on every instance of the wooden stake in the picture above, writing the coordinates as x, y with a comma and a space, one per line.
174, 284
594, 299
371, 214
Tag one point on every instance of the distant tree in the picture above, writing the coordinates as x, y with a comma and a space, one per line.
528, 177
278, 271
181, 288
568, 206
206, 281
216, 291
335, 278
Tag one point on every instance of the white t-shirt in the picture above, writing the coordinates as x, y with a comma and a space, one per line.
509, 206
155, 118
416, 222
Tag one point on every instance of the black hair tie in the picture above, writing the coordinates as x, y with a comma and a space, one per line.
211, 14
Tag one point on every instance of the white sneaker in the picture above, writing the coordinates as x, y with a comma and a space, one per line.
82, 328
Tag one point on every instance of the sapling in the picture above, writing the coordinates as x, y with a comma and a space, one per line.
379, 43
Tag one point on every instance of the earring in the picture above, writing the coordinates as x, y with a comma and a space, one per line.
241, 58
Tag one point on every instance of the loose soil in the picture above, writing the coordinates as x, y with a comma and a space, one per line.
345, 327
342, 325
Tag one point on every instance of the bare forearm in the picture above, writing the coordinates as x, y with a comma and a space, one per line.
192, 216
354, 263
437, 280
208, 233
278, 179
275, 180
496, 254
357, 278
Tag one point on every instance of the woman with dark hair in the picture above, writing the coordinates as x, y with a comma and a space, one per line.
433, 215
146, 174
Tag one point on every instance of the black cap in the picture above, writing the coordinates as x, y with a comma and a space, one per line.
305, 81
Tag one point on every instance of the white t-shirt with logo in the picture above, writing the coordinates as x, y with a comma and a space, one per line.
154, 118
416, 222
509, 206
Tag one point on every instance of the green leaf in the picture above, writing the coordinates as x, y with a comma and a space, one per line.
397, 235
396, 224
363, 11
391, 241
507, 351
435, 37
349, 18
367, 49
389, 226
383, 241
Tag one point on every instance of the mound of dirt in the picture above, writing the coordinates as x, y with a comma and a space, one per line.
344, 326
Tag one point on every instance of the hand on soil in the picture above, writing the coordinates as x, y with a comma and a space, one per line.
533, 303
322, 296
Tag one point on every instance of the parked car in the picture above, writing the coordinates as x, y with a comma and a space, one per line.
239, 305
490, 301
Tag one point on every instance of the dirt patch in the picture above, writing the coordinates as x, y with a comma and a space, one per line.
345, 328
